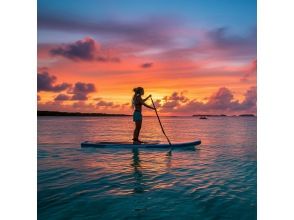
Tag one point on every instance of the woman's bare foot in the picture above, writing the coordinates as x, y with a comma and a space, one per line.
137, 141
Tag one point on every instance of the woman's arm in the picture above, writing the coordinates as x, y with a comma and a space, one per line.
148, 106
144, 100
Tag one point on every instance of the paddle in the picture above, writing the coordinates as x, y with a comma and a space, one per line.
170, 150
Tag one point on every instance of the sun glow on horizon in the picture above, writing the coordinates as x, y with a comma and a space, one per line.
93, 64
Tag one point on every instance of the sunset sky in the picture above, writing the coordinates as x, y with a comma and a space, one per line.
194, 57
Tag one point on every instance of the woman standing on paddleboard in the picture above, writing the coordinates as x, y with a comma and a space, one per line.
137, 102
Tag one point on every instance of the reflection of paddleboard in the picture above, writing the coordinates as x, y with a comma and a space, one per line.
143, 145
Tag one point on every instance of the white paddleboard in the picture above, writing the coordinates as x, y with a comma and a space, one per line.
143, 145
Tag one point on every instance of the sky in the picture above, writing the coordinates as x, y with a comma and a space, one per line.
194, 57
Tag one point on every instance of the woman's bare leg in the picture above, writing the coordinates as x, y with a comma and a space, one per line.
137, 130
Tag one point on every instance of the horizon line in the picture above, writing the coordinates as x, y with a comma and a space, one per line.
125, 115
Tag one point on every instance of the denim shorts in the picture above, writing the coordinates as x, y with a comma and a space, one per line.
137, 116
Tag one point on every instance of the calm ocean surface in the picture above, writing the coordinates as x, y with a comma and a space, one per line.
216, 181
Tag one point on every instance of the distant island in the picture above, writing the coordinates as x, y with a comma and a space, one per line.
81, 114
56, 113
247, 115
222, 115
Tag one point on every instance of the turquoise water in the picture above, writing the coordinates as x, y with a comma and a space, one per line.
215, 181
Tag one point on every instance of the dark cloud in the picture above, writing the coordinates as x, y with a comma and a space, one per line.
62, 97
149, 32
79, 96
237, 44
147, 65
81, 90
219, 43
83, 50
81, 87
38, 98
46, 82
80, 50
63, 23
222, 38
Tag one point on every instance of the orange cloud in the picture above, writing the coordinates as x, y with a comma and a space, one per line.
200, 69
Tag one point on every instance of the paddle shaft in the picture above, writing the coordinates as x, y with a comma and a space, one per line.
160, 122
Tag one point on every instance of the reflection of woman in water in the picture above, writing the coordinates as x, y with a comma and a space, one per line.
137, 102
139, 188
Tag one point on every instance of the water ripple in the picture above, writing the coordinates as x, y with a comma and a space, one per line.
216, 181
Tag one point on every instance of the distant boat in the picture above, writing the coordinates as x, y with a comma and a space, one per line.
247, 115
203, 117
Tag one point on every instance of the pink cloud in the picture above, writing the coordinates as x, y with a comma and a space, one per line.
221, 102
83, 106
249, 71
